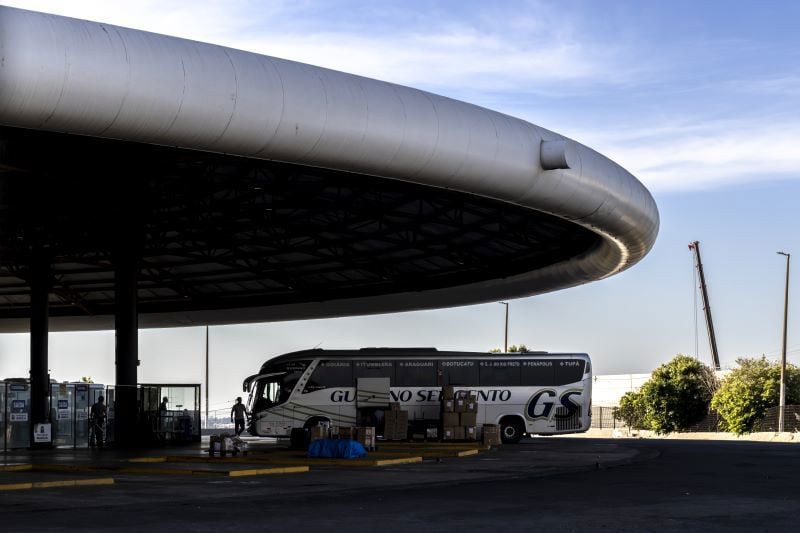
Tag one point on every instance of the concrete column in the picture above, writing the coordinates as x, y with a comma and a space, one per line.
40, 379
126, 324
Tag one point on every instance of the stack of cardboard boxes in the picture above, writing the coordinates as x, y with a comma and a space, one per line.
395, 423
365, 435
344, 433
459, 415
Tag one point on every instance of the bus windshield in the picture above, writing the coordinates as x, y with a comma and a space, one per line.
272, 390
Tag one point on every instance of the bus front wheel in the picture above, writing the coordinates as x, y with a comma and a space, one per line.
511, 430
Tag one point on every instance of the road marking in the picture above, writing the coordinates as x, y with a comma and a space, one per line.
57, 484
16, 468
268, 471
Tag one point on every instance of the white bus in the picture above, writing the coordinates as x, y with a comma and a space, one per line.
525, 393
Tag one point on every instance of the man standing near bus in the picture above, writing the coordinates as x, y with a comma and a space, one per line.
97, 423
238, 416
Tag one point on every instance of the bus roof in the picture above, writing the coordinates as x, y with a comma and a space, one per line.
407, 353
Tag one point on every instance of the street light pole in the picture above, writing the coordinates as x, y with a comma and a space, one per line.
782, 401
505, 344
206, 377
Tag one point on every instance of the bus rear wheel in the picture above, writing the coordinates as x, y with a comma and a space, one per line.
511, 430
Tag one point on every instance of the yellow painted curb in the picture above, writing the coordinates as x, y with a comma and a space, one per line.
58, 484
148, 460
267, 471
16, 486
398, 461
158, 471
467, 453
443, 452
72, 483
16, 468
63, 468
94, 481
433, 445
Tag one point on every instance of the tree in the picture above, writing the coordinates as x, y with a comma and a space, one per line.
749, 390
631, 410
511, 349
87, 379
677, 395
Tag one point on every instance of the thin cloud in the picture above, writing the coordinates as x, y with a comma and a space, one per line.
495, 50
702, 155
454, 60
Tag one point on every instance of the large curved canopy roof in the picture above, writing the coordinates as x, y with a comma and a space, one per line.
253, 188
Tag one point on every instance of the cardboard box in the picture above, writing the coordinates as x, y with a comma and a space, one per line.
459, 405
471, 404
448, 433
432, 433
470, 433
396, 417
448, 392
366, 436
346, 432
334, 432
318, 432
458, 433
467, 419
450, 419
394, 406
491, 435
396, 433
448, 406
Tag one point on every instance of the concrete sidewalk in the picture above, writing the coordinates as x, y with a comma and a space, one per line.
624, 433
188, 471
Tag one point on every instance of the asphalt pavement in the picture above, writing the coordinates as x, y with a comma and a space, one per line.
542, 484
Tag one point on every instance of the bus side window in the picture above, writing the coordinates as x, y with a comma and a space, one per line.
374, 369
568, 371
538, 372
459, 372
414, 373
500, 373
287, 386
330, 374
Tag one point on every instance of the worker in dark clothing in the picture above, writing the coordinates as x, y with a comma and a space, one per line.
238, 416
97, 423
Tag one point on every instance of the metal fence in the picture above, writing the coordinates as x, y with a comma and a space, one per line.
603, 418
791, 419
218, 419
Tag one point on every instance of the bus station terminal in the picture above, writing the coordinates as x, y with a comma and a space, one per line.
148, 181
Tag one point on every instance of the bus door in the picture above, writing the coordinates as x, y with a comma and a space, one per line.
265, 403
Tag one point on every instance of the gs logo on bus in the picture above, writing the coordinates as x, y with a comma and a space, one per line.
542, 404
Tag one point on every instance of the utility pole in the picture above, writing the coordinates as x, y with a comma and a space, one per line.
782, 401
712, 338
505, 339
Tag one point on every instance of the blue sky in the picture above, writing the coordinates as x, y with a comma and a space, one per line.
699, 100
